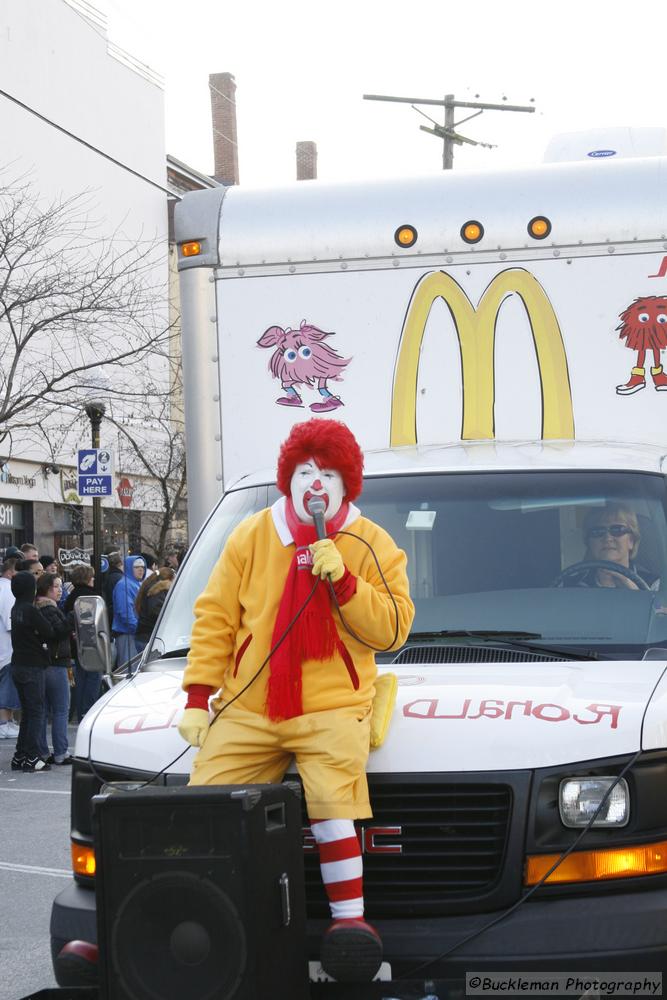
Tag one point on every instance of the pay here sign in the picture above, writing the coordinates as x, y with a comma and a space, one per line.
95, 467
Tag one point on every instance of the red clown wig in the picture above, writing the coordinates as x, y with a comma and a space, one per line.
331, 444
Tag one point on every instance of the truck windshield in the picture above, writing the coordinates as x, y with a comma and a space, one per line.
575, 559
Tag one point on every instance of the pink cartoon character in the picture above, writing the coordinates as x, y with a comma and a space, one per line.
302, 358
644, 328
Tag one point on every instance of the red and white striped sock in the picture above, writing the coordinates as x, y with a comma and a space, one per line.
341, 866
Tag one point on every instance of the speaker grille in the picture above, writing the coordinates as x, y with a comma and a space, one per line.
187, 931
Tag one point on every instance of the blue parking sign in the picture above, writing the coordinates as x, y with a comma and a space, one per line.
95, 471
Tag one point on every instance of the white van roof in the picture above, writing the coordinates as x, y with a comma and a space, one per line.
501, 456
284, 228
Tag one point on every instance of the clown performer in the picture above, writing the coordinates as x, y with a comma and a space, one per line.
313, 701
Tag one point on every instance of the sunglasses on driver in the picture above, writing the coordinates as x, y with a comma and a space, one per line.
615, 530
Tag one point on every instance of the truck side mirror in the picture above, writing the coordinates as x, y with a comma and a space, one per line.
93, 636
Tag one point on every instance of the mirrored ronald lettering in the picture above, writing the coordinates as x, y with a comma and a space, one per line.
497, 708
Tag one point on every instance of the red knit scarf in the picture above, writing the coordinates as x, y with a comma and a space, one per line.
314, 635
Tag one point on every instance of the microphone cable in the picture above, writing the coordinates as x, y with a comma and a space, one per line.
282, 638
348, 628
317, 510
566, 853
223, 708
410, 974
286, 633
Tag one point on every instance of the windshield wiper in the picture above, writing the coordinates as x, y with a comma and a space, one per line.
513, 639
449, 633
173, 654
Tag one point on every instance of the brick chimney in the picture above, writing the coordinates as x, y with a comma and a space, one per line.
223, 118
306, 161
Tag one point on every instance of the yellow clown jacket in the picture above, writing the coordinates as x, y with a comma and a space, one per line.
236, 613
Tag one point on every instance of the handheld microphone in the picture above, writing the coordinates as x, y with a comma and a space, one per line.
316, 509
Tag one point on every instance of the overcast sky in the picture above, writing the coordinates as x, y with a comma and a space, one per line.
301, 69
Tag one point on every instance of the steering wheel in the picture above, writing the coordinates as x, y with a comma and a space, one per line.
576, 569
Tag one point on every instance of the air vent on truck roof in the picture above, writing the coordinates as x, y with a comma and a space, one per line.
599, 145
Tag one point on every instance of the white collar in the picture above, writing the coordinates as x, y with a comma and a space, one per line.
280, 519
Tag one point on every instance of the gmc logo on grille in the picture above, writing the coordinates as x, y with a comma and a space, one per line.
370, 838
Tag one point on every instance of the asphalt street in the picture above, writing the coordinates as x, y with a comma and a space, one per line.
34, 867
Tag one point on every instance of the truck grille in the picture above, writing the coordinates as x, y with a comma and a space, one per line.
452, 841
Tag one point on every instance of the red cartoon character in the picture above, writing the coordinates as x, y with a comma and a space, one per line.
302, 358
644, 327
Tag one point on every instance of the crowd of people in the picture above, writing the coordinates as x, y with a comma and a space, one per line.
41, 679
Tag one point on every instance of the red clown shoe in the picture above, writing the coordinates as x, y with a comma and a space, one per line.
351, 951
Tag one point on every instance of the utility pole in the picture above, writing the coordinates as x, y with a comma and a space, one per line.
447, 132
448, 143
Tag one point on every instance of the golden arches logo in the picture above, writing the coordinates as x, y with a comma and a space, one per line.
476, 332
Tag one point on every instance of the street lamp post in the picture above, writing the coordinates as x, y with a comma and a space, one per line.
95, 410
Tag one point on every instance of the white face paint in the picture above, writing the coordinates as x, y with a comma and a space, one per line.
310, 481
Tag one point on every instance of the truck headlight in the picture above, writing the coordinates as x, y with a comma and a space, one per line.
579, 798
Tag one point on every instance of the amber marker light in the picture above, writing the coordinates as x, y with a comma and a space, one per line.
191, 249
405, 236
472, 231
539, 227
83, 859
595, 866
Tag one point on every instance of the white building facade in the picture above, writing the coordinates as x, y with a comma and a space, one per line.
79, 117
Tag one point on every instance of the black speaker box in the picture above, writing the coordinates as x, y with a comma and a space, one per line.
200, 893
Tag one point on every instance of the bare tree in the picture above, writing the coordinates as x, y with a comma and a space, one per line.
72, 303
153, 445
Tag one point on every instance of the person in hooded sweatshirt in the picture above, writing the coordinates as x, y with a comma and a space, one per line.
49, 592
124, 614
31, 633
148, 604
113, 575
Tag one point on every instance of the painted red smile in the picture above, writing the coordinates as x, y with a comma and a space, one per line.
307, 496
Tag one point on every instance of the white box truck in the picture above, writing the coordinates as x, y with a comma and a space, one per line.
495, 341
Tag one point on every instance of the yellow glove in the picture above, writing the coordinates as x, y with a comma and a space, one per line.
327, 560
193, 727
386, 688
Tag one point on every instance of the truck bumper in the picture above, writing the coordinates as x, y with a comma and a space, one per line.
624, 932
73, 918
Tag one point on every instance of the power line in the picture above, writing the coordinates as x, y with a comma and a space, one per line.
88, 145
447, 131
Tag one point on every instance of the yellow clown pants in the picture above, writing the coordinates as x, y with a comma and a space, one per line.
330, 750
